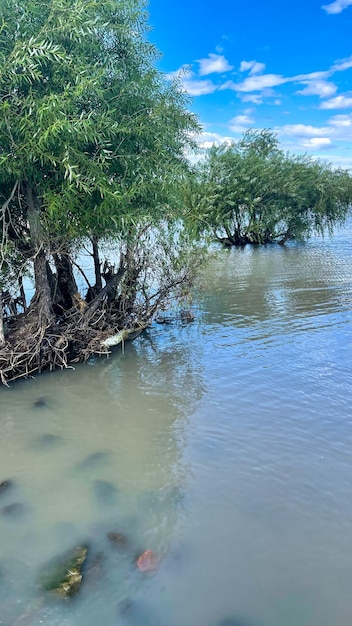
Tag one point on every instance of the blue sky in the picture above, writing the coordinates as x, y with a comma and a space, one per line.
264, 64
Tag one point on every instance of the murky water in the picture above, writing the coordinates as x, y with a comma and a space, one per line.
225, 446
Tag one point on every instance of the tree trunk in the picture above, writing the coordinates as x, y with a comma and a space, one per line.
42, 288
109, 288
98, 282
2, 333
66, 287
22, 294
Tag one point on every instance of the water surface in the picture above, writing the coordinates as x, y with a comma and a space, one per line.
224, 445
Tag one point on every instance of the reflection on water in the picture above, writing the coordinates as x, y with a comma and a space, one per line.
224, 446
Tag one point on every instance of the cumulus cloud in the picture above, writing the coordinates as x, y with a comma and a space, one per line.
241, 123
341, 121
214, 64
316, 143
344, 101
258, 83
198, 87
303, 130
253, 66
337, 130
257, 86
254, 98
207, 139
190, 83
316, 83
337, 6
321, 88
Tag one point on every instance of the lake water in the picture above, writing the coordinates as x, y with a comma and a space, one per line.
225, 446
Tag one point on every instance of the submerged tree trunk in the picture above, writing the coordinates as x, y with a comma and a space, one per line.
42, 287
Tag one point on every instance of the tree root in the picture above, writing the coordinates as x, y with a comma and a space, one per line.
30, 349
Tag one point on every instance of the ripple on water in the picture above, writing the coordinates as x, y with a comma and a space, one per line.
223, 447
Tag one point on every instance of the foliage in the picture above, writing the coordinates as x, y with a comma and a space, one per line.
84, 114
92, 148
253, 192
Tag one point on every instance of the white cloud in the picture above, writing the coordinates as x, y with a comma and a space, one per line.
317, 143
253, 97
190, 83
316, 82
253, 66
341, 121
337, 131
198, 87
207, 139
256, 86
321, 88
241, 123
343, 64
258, 83
303, 130
320, 75
244, 120
343, 101
214, 64
337, 6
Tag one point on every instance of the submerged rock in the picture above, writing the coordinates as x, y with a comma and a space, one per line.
48, 440
233, 621
5, 485
14, 510
63, 574
137, 613
93, 570
93, 460
118, 539
148, 561
104, 491
41, 402
186, 316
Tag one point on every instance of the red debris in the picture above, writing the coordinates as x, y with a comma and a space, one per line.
148, 561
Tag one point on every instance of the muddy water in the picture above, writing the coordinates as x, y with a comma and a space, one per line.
225, 446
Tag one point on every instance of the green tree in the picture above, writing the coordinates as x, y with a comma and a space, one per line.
92, 142
253, 192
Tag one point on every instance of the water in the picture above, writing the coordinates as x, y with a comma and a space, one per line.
228, 442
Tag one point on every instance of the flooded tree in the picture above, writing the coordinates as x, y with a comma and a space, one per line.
93, 143
252, 192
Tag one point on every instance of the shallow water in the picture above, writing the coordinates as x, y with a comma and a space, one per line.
224, 445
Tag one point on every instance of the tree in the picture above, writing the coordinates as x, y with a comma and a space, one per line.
253, 192
92, 144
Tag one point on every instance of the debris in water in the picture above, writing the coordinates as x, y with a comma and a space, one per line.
148, 561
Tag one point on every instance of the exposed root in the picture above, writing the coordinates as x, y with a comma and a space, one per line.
30, 349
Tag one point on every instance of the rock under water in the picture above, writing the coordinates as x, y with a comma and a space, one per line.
14, 510
233, 621
41, 402
118, 539
104, 491
63, 575
5, 485
93, 461
48, 440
